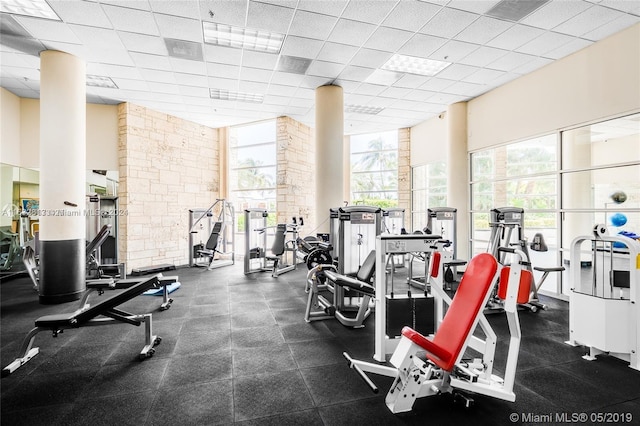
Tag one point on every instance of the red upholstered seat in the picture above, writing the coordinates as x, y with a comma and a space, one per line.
524, 286
435, 266
452, 333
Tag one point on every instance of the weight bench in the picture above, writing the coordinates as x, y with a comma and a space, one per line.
103, 313
103, 284
443, 370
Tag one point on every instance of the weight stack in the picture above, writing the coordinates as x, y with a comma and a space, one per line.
415, 311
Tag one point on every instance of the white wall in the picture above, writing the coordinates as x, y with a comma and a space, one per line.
9, 128
428, 141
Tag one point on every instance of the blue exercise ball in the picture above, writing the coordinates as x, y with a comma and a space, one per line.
618, 219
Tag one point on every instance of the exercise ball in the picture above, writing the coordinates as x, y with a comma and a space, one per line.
618, 219
618, 197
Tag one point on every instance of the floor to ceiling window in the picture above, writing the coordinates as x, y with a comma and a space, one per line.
374, 169
252, 171
428, 190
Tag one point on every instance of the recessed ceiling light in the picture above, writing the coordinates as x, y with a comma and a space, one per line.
242, 38
362, 109
100, 81
227, 95
35, 8
415, 65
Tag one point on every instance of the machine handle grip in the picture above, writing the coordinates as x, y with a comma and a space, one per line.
361, 373
507, 249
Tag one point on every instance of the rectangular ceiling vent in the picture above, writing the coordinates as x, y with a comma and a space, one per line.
184, 49
362, 109
101, 81
293, 64
515, 10
228, 95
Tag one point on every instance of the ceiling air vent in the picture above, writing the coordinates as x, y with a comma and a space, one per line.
514, 10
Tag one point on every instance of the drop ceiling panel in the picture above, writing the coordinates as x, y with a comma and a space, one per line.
350, 32
278, 20
259, 60
546, 42
179, 28
388, 39
411, 81
199, 94
46, 29
453, 51
81, 12
410, 15
515, 37
188, 66
457, 71
312, 25
612, 27
333, 7
156, 62
225, 12
554, 13
143, 43
419, 95
436, 84
348, 86
623, 5
588, 20
371, 89
334, 52
190, 79
484, 76
354, 73
282, 90
483, 29
97, 38
465, 89
223, 83
370, 58
254, 74
395, 93
532, 65
109, 56
448, 23
224, 55
253, 87
483, 56
311, 83
510, 61
422, 45
301, 47
475, 6
134, 4
132, 20
222, 70
566, 49
372, 12
184, 8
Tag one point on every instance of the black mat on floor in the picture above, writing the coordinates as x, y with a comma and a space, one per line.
236, 350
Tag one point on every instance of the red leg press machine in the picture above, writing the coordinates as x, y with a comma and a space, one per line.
443, 370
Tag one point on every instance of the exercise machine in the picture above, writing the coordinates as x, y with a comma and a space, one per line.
103, 210
216, 226
604, 305
282, 257
443, 370
105, 312
95, 269
393, 220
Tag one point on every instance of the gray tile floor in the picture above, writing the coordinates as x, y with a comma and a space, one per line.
236, 350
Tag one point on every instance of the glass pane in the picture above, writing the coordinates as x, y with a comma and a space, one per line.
374, 181
482, 165
374, 141
261, 155
376, 160
532, 156
482, 195
419, 177
595, 189
419, 201
253, 178
609, 142
539, 193
252, 134
419, 221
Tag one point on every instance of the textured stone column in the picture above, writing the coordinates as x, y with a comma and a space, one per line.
62, 177
329, 152
457, 177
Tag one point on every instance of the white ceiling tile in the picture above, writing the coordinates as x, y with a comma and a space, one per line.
253, 87
325, 69
254, 74
142, 60
411, 81
131, 20
554, 13
223, 55
97, 38
133, 4
334, 52
74, 49
448, 23
465, 89
158, 75
544, 43
612, 27
484, 76
395, 93
190, 79
281, 89
353, 73
225, 12
77, 12
483, 29
305, 93
143, 43
286, 79
483, 56
568, 48
383, 77
410, 15
457, 71
312, 25
372, 12
222, 70
179, 28
259, 60
328, 7
184, 8
623, 5
387, 39
109, 56
301, 47
348, 86
515, 37
476, 6
371, 89
303, 103
419, 95
370, 58
446, 99
269, 17
532, 66
312, 82
116, 71
436, 84
46, 29
510, 61
273, 99
453, 51
188, 66
422, 45
164, 88
588, 20
223, 83
350, 32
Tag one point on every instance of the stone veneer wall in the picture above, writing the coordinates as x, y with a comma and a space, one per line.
404, 173
167, 166
296, 181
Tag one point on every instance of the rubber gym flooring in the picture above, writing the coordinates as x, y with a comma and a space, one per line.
236, 350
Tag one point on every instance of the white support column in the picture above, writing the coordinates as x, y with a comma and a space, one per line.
62, 177
457, 175
329, 151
